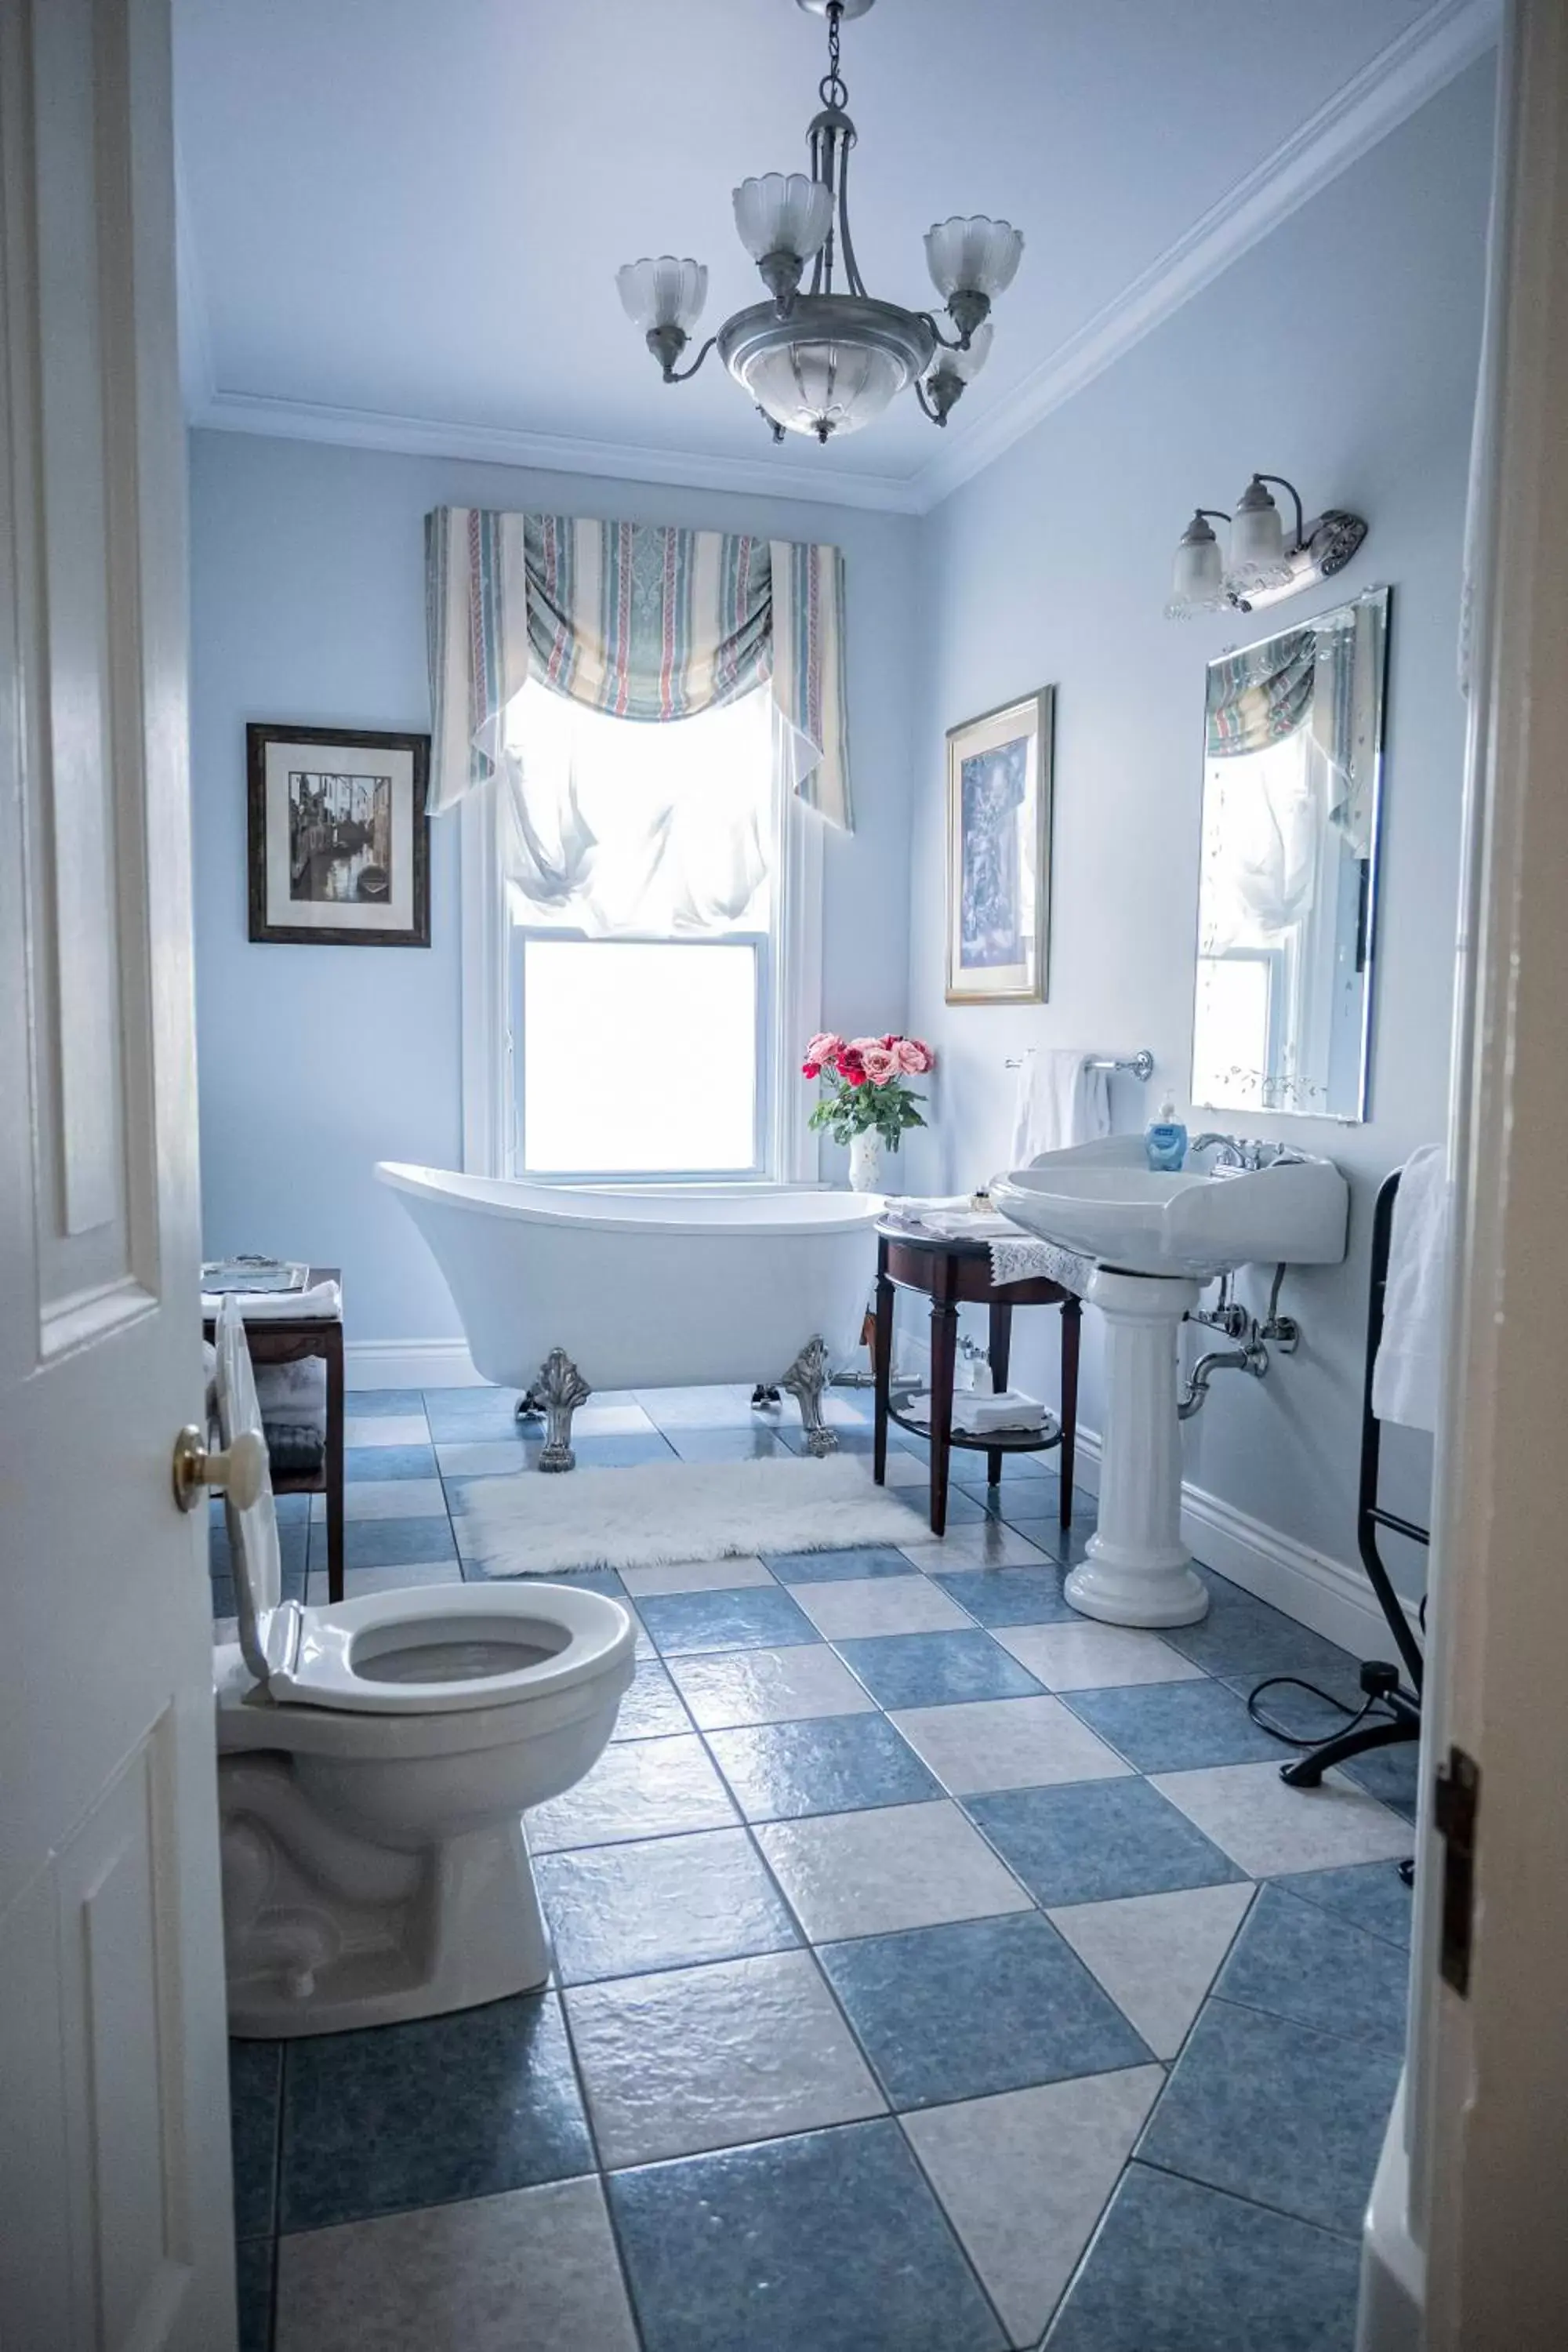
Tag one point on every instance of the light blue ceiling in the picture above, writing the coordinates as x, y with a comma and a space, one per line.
414, 209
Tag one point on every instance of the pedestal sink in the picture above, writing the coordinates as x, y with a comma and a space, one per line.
1155, 1238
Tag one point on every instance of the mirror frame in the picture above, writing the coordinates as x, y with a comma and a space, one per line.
1380, 595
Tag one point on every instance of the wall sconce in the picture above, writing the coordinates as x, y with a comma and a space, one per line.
1260, 568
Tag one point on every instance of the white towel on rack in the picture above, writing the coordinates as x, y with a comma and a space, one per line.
1061, 1100
1404, 1378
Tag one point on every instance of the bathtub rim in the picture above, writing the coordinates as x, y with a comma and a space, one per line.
594, 1209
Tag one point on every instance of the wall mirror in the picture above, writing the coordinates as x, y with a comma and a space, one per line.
1292, 776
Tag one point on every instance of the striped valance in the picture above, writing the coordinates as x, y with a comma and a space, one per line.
643, 621
1259, 697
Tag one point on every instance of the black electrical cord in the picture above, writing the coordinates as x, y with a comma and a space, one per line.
1370, 1706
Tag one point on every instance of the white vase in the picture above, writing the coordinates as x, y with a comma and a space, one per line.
866, 1161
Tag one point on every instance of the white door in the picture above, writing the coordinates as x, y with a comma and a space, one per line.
1467, 2252
114, 2177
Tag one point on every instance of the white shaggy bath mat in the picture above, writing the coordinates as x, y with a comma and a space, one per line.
537, 1523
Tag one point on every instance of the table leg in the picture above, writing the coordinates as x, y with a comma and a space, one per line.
334, 1462
882, 1350
1072, 1318
1001, 1349
943, 1354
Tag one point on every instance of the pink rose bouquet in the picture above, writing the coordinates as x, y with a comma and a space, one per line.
864, 1084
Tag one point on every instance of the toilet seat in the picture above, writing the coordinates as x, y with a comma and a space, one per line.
442, 1649
439, 1649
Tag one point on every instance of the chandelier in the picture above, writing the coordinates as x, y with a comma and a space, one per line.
819, 357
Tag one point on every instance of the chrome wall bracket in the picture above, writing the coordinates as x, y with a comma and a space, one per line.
560, 1389
806, 1380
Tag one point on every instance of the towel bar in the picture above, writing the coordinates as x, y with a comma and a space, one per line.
1138, 1065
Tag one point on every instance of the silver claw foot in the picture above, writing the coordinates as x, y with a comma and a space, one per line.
560, 1389
529, 1407
806, 1381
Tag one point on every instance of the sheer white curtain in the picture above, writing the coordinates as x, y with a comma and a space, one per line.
615, 828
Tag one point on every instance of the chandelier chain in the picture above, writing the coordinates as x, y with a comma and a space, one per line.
833, 89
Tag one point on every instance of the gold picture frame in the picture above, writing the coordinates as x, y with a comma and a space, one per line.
999, 790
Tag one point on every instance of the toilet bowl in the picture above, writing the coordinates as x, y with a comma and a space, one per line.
375, 1757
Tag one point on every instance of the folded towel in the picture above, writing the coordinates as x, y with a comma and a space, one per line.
978, 1416
294, 1450
1404, 1378
323, 1304
967, 1224
1061, 1100
295, 1392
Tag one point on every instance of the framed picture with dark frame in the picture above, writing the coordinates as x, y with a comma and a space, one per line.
999, 854
338, 851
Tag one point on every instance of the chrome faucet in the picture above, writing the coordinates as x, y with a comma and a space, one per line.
1236, 1151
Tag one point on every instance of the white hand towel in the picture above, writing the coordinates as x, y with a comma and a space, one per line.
1061, 1101
323, 1304
1404, 1378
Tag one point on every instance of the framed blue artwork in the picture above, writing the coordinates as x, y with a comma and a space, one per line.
999, 854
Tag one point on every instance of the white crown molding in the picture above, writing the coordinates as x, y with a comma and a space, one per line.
421, 436
1413, 68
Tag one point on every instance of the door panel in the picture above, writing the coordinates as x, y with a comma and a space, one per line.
115, 2185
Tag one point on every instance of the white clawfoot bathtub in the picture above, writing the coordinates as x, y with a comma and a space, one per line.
561, 1292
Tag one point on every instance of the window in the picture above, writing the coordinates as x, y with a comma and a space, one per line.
644, 869
608, 1087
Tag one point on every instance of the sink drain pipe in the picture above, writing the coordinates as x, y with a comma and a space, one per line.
1253, 1358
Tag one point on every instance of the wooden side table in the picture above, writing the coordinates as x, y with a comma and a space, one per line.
954, 1274
293, 1339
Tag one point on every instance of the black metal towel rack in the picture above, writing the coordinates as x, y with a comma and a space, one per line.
1401, 1716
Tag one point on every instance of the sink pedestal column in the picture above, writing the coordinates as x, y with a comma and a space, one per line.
1138, 1572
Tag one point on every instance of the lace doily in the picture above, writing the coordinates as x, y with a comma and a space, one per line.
1027, 1261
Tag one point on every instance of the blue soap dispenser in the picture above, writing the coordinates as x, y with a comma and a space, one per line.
1165, 1138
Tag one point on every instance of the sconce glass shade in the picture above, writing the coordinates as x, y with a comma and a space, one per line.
973, 256
1256, 542
1197, 582
663, 292
783, 213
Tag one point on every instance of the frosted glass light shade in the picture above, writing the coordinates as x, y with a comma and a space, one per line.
1197, 581
823, 387
973, 256
1257, 539
783, 213
664, 292
965, 365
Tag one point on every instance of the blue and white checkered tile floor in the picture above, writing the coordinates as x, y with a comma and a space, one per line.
936, 1971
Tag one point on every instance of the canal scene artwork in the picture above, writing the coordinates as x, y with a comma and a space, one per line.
340, 836
338, 850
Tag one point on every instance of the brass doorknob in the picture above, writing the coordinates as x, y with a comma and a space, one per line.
240, 1471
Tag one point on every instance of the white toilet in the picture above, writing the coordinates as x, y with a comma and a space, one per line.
374, 1760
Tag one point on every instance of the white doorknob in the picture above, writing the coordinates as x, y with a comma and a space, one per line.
241, 1471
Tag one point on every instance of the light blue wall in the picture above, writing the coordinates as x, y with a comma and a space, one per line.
315, 1062
1342, 352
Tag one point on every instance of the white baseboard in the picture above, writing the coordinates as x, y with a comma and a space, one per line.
409, 1364
1327, 1595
